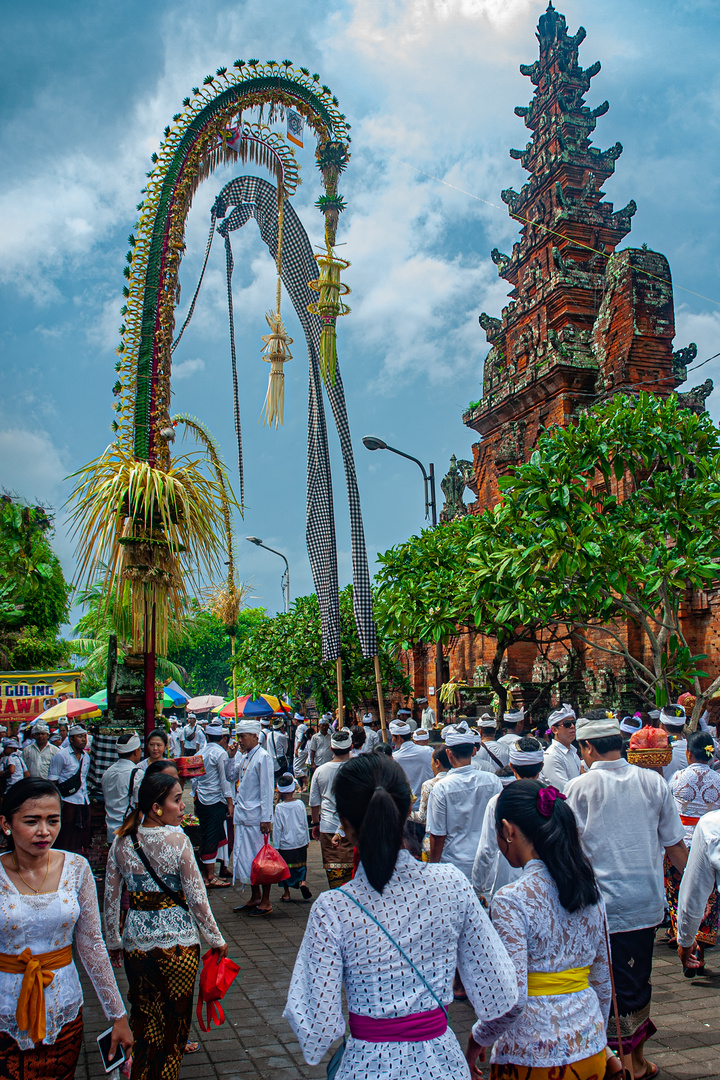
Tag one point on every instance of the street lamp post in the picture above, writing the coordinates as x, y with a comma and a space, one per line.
371, 442
285, 579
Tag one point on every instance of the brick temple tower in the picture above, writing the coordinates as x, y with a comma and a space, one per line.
583, 321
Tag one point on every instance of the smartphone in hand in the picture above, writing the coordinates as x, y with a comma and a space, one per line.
109, 1063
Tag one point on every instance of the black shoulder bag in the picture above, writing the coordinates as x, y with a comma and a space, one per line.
176, 897
72, 784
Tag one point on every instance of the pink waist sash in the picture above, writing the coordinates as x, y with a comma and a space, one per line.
415, 1028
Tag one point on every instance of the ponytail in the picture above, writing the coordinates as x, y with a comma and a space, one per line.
702, 747
372, 793
554, 836
154, 788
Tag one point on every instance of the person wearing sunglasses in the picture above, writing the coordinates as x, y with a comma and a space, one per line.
562, 761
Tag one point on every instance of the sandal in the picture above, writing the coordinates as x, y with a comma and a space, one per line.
286, 900
258, 912
650, 1073
216, 883
192, 1047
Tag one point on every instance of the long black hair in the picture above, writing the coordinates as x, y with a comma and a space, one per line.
555, 838
372, 793
154, 788
700, 746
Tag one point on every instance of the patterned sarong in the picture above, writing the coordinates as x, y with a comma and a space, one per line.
212, 829
632, 956
296, 858
592, 1068
337, 860
161, 984
708, 932
56, 1062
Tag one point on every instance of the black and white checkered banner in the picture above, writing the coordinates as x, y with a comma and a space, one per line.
251, 196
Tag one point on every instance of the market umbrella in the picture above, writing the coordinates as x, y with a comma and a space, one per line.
264, 705
205, 703
71, 708
100, 698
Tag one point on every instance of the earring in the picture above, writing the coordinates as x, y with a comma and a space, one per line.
159, 813
7, 832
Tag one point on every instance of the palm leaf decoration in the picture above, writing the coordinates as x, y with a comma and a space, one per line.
158, 530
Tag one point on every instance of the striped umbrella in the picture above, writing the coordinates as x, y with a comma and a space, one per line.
264, 705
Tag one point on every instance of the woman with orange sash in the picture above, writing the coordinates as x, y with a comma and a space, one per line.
160, 942
48, 900
552, 923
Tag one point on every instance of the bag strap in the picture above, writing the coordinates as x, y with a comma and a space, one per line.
404, 955
626, 1072
133, 774
179, 900
497, 760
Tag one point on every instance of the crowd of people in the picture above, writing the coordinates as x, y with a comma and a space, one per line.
540, 865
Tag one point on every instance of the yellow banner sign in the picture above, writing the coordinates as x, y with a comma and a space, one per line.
25, 694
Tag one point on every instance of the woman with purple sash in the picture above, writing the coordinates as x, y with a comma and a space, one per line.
364, 936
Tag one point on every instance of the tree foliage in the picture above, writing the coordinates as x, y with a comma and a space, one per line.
204, 650
284, 655
34, 596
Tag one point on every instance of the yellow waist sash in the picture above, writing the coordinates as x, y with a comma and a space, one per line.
38, 971
549, 983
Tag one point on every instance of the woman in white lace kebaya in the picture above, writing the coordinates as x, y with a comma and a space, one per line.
398, 1027
696, 791
552, 923
48, 901
160, 940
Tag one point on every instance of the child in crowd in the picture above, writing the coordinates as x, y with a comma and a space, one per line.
291, 836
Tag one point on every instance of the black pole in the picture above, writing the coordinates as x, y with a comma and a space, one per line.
438, 644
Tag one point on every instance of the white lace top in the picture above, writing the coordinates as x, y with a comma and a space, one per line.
49, 921
342, 946
171, 856
696, 791
540, 935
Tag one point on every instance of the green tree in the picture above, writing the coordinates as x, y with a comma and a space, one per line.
204, 649
34, 596
284, 655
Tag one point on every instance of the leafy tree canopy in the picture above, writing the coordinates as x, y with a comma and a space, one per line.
34, 596
204, 650
284, 655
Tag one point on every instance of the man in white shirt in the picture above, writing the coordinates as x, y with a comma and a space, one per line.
672, 720
213, 803
414, 760
276, 744
627, 820
337, 853
427, 720
373, 733
405, 716
120, 783
702, 875
456, 807
491, 870
498, 754
513, 721
319, 745
39, 753
253, 773
193, 737
562, 761
175, 746
68, 770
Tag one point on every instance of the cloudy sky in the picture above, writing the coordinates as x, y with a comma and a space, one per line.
428, 85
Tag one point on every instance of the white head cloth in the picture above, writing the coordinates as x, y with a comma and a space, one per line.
42, 727
565, 712
248, 727
265, 721
514, 717
505, 780
421, 701
133, 743
285, 789
630, 724
216, 729
297, 716
526, 757
77, 730
667, 716
421, 735
341, 739
460, 735
399, 727
486, 720
404, 712
13, 744
596, 729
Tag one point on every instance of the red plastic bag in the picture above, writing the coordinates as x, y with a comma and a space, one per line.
268, 866
216, 977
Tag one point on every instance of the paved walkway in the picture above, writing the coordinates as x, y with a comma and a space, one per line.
255, 1041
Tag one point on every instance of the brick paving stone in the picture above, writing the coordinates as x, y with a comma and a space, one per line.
255, 1043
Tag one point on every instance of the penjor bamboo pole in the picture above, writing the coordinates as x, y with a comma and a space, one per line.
381, 702
234, 678
341, 704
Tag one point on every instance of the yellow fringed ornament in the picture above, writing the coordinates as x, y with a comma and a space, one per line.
276, 352
329, 307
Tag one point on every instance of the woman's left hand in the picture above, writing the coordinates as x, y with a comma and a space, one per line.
121, 1035
221, 951
116, 957
473, 1055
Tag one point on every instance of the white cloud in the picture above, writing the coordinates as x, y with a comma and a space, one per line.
187, 368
